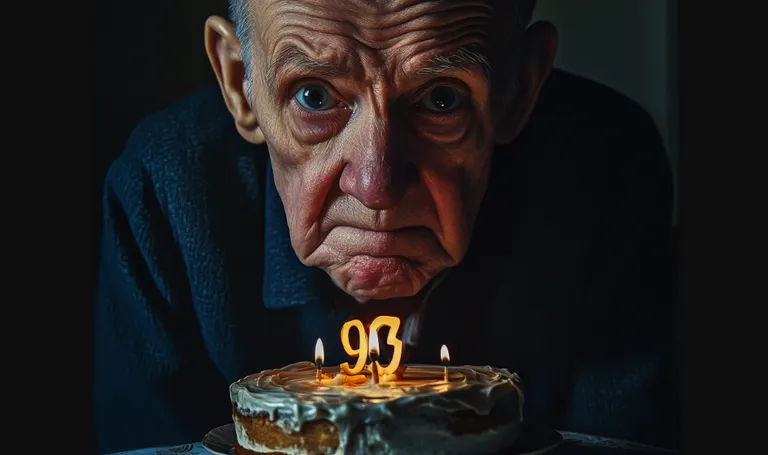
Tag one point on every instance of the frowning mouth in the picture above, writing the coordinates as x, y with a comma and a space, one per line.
382, 264
369, 276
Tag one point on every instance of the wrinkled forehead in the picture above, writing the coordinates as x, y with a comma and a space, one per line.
410, 35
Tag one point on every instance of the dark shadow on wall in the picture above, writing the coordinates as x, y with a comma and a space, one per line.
674, 82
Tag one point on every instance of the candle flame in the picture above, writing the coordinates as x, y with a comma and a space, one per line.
444, 355
373, 340
319, 351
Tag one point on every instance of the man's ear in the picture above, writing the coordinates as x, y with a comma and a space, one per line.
539, 47
223, 49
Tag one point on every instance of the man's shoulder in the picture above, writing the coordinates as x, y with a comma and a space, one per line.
591, 128
191, 140
578, 103
194, 124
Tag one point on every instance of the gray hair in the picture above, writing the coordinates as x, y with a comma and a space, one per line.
241, 15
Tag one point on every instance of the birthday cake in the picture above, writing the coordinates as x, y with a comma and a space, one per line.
424, 409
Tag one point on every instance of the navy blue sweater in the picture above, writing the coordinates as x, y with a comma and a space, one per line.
567, 280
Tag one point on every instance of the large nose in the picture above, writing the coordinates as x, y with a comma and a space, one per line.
378, 172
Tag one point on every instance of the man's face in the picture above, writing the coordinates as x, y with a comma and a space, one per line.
378, 120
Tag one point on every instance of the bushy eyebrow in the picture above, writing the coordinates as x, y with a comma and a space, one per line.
293, 57
463, 58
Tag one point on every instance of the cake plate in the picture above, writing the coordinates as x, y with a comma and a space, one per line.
532, 441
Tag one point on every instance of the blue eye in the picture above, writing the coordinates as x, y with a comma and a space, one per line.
442, 99
315, 98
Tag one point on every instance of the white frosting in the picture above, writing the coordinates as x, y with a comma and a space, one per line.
400, 416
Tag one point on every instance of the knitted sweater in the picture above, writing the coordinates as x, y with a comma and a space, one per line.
567, 280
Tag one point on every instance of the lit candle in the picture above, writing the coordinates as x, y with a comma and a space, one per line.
445, 357
373, 340
319, 358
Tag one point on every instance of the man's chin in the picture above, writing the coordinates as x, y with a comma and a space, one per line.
379, 278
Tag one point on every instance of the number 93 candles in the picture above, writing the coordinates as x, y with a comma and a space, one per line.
364, 406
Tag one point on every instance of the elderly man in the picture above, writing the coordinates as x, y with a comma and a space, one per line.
420, 159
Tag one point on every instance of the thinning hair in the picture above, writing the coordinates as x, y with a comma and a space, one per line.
241, 15
463, 56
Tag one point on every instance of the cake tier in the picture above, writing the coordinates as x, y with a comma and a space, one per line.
288, 411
